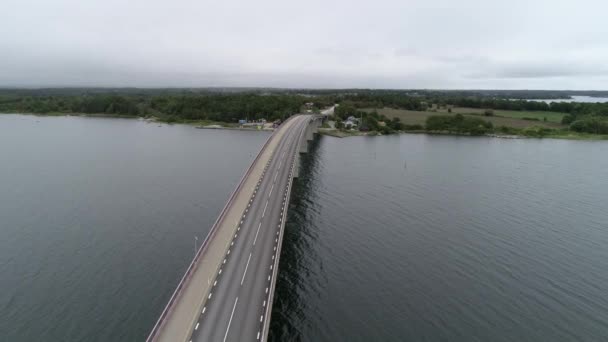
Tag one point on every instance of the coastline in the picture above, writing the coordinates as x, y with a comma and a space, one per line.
205, 124
324, 131
560, 135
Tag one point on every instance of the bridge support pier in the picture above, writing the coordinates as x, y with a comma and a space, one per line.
310, 132
296, 167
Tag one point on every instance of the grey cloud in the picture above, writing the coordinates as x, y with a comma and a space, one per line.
273, 43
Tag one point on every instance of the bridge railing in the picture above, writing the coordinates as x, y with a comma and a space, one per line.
186, 278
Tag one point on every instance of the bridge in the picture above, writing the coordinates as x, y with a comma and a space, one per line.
227, 291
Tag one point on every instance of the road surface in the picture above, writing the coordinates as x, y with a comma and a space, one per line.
237, 307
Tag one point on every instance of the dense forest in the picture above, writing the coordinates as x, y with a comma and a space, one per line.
232, 104
168, 107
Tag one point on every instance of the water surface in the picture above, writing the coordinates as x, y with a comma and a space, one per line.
395, 238
98, 218
575, 98
438, 238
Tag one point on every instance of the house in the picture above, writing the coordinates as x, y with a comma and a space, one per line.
351, 122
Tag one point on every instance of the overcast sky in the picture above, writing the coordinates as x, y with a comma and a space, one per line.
515, 44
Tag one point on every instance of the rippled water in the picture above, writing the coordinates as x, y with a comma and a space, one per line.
416, 237
398, 238
98, 218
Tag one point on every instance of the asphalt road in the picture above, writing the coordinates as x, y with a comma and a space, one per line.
238, 305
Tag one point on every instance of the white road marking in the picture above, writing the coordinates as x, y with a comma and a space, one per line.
266, 290
271, 188
220, 272
258, 336
196, 327
215, 283
246, 266
264, 304
230, 321
204, 308
266, 206
261, 318
256, 233
210, 295
224, 261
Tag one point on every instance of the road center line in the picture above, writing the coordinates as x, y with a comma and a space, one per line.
230, 321
246, 266
271, 188
256, 233
266, 206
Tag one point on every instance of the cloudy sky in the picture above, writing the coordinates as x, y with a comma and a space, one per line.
516, 44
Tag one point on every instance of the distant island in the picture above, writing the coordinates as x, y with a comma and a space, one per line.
358, 111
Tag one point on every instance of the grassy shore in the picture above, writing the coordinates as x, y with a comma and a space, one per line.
506, 118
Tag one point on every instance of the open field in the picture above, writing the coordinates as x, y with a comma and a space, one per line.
412, 117
515, 114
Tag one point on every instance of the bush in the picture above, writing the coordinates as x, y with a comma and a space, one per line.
488, 112
413, 127
458, 123
590, 125
568, 119
537, 132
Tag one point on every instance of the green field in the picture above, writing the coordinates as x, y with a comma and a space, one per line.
500, 118
551, 116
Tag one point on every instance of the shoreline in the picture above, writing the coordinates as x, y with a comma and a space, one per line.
565, 136
196, 124
323, 131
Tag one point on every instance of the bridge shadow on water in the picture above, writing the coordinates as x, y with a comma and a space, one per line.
298, 251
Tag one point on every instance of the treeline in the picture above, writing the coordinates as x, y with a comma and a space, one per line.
232, 104
170, 107
458, 124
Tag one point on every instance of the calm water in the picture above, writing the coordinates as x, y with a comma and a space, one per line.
98, 218
435, 238
400, 238
575, 98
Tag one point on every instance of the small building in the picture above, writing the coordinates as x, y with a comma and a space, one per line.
350, 122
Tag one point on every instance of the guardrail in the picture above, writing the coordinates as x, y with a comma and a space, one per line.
265, 329
163, 316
